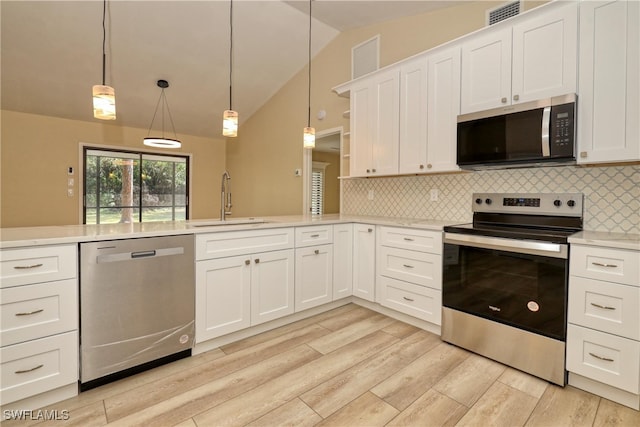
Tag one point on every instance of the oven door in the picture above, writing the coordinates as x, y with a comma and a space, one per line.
516, 282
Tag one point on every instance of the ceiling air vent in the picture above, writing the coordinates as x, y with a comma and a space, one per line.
503, 12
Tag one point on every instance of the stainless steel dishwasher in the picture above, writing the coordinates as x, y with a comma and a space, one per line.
137, 305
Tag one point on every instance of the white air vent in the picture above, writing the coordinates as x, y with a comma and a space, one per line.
365, 57
503, 12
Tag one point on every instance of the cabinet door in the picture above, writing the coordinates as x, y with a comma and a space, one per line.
361, 117
364, 264
544, 62
386, 121
486, 70
609, 88
443, 109
342, 260
272, 285
314, 276
413, 116
223, 298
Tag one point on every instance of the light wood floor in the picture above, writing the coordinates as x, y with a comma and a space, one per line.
347, 367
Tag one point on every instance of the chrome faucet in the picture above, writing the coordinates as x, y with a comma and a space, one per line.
225, 196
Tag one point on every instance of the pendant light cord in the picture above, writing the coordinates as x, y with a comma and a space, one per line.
309, 112
230, 53
104, 38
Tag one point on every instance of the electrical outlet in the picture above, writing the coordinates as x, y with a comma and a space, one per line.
434, 195
370, 195
70, 182
70, 192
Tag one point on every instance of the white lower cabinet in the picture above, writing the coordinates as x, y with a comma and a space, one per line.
272, 286
364, 261
409, 272
342, 261
314, 276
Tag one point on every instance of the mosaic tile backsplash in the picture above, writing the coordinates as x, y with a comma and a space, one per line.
611, 194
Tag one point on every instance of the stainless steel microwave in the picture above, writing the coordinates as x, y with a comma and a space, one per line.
539, 132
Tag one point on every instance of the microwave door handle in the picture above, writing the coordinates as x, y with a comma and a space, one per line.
546, 125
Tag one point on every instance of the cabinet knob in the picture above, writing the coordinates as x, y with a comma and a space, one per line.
421, 166
317, 251
247, 262
368, 171
369, 230
257, 261
373, 170
516, 97
429, 165
503, 100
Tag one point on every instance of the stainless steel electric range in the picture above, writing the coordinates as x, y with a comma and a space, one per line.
505, 280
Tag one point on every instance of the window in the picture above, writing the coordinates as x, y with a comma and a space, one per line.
317, 187
124, 186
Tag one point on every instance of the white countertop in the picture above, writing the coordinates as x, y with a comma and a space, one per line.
606, 239
53, 235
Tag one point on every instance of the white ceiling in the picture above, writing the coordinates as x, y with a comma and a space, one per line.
52, 54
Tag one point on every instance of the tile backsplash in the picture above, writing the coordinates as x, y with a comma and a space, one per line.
611, 193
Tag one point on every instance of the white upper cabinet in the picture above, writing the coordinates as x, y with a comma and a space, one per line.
609, 89
535, 58
413, 115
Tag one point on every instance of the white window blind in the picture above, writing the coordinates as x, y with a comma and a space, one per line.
317, 192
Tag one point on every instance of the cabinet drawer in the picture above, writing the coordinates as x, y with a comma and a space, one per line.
417, 301
24, 266
315, 235
232, 243
603, 357
37, 366
607, 307
412, 239
415, 267
35, 311
612, 265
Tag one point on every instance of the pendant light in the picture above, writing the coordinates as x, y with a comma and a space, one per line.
161, 141
309, 137
104, 97
230, 117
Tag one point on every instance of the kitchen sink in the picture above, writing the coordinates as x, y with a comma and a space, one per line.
227, 222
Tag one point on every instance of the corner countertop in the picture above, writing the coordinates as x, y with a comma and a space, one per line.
606, 239
64, 234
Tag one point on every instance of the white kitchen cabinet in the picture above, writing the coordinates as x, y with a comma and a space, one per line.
609, 82
272, 285
364, 261
314, 276
39, 324
413, 115
342, 261
375, 102
524, 59
603, 336
409, 272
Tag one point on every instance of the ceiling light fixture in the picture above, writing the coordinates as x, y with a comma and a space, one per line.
104, 97
161, 141
309, 138
230, 117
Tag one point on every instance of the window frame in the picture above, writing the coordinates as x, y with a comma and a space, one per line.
138, 155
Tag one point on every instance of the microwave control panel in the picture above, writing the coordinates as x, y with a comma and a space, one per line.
562, 130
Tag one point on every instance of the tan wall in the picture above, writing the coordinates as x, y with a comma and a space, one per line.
263, 158
331, 182
36, 151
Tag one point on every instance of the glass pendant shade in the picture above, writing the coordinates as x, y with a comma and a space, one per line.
230, 123
309, 140
161, 142
104, 102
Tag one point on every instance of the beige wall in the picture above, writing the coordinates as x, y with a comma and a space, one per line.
268, 149
36, 151
331, 182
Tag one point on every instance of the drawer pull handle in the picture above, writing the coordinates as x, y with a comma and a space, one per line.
408, 239
604, 307
315, 235
25, 371
407, 266
317, 251
599, 264
408, 299
27, 267
606, 359
30, 313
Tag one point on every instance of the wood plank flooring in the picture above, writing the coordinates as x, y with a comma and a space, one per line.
347, 367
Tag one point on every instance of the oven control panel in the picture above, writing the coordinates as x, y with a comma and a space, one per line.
557, 204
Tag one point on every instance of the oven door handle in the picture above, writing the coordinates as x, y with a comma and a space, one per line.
547, 249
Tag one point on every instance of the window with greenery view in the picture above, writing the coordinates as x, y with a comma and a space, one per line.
124, 187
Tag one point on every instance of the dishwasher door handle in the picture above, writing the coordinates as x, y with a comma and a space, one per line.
132, 256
